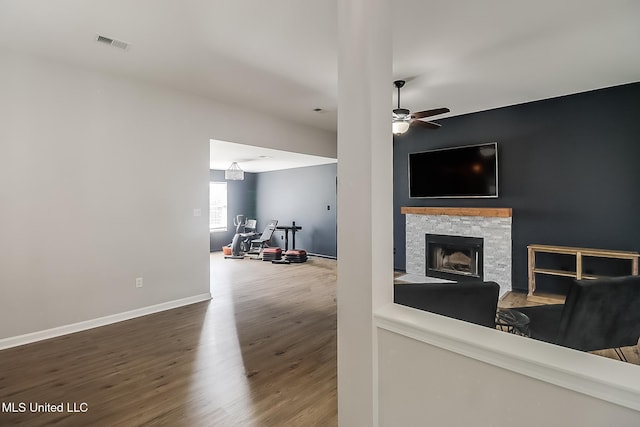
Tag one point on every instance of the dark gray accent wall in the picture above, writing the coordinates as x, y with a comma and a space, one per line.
241, 199
568, 166
304, 195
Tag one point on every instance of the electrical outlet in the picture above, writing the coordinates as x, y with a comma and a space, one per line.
139, 283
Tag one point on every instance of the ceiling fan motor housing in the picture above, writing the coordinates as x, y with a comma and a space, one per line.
401, 114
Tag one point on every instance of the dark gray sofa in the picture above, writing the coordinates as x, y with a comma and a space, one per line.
474, 302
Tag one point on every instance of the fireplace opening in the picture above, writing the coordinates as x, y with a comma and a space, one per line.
454, 257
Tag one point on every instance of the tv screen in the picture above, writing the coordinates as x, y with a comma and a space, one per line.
469, 171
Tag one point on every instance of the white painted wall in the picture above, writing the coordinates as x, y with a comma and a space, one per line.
423, 385
365, 200
99, 177
439, 371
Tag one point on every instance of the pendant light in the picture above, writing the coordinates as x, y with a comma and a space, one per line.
234, 173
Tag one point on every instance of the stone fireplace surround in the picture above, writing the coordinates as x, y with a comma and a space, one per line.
491, 224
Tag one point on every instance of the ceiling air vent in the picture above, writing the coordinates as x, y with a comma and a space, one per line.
112, 42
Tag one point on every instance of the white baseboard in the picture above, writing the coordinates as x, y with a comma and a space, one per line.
100, 321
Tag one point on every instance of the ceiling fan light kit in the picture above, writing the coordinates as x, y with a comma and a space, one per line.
402, 118
400, 125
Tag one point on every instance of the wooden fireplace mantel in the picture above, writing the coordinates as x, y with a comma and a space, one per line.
489, 212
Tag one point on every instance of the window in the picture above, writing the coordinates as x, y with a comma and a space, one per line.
217, 206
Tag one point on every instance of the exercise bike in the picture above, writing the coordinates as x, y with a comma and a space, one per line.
241, 242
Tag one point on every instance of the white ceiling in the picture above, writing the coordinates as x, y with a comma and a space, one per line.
280, 56
259, 159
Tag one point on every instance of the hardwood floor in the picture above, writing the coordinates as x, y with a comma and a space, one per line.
262, 352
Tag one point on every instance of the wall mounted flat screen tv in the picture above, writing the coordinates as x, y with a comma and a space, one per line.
469, 171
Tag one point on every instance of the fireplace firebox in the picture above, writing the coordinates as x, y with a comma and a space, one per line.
455, 258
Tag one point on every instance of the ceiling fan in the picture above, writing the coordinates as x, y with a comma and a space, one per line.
403, 118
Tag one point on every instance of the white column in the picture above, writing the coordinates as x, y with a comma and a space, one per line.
365, 200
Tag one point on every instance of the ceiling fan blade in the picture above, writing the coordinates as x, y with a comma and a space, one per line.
428, 125
429, 113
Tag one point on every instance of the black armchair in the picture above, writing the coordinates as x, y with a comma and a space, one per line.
474, 302
597, 314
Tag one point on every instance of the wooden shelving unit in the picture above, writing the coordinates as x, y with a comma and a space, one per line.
579, 253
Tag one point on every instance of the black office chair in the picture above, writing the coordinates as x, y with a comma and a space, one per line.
263, 241
597, 314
